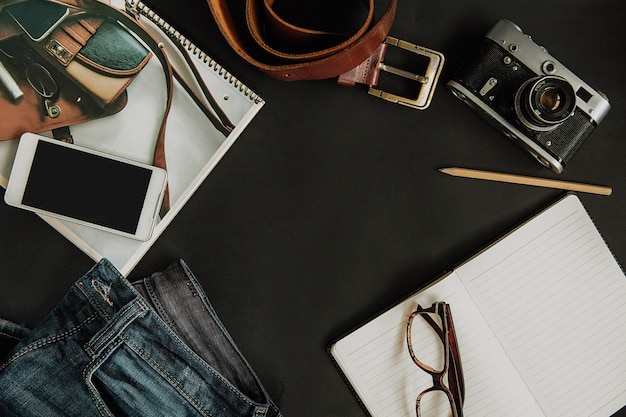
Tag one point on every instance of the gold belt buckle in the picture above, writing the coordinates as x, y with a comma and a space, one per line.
428, 81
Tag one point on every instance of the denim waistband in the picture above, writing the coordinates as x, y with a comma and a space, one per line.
110, 348
109, 293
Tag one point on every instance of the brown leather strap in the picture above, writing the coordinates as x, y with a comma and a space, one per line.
297, 61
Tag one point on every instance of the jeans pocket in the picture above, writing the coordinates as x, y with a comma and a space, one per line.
125, 384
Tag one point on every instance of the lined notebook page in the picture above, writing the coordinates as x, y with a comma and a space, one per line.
555, 298
376, 361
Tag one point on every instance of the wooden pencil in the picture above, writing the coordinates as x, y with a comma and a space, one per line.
526, 180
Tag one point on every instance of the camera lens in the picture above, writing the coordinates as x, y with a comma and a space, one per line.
543, 103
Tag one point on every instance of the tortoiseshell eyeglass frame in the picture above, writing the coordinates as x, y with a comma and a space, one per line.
455, 390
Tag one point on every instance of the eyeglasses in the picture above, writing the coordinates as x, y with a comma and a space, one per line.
430, 333
42, 82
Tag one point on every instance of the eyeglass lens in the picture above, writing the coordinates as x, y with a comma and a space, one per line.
426, 341
41, 81
434, 403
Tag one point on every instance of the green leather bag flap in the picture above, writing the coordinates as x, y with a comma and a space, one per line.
114, 50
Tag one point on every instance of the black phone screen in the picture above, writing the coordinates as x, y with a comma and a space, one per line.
86, 187
37, 17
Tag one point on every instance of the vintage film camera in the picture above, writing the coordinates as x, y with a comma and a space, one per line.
516, 85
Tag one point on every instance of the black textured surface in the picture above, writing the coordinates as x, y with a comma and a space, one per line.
329, 207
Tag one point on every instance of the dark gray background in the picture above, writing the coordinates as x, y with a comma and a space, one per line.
329, 207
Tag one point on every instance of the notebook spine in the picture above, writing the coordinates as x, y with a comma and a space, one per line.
144, 10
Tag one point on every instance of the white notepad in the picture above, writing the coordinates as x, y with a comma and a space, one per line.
540, 318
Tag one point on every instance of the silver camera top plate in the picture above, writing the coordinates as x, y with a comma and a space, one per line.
521, 47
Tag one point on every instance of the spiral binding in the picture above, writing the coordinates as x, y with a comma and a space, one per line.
144, 10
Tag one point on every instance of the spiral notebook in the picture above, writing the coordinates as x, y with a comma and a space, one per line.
540, 320
194, 145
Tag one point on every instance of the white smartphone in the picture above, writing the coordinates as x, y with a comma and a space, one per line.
85, 186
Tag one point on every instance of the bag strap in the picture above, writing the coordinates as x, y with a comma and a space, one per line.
286, 47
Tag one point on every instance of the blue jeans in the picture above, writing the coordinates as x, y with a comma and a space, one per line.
112, 348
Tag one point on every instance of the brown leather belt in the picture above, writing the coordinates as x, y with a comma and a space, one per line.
286, 50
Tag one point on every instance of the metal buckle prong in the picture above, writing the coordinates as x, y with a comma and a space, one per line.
428, 81
402, 73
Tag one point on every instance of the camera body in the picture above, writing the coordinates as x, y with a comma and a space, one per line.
522, 90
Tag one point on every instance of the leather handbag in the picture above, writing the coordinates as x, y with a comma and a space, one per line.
31, 109
98, 54
79, 72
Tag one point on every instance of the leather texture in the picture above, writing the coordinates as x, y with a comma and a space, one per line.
99, 54
114, 50
282, 48
26, 115
101, 85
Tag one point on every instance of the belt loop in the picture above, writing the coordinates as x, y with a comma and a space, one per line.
113, 328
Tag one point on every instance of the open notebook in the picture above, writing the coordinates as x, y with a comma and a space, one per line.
540, 319
194, 145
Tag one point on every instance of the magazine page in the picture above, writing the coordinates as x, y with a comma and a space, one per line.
193, 144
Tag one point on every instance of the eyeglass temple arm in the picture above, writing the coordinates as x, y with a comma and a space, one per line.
456, 379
